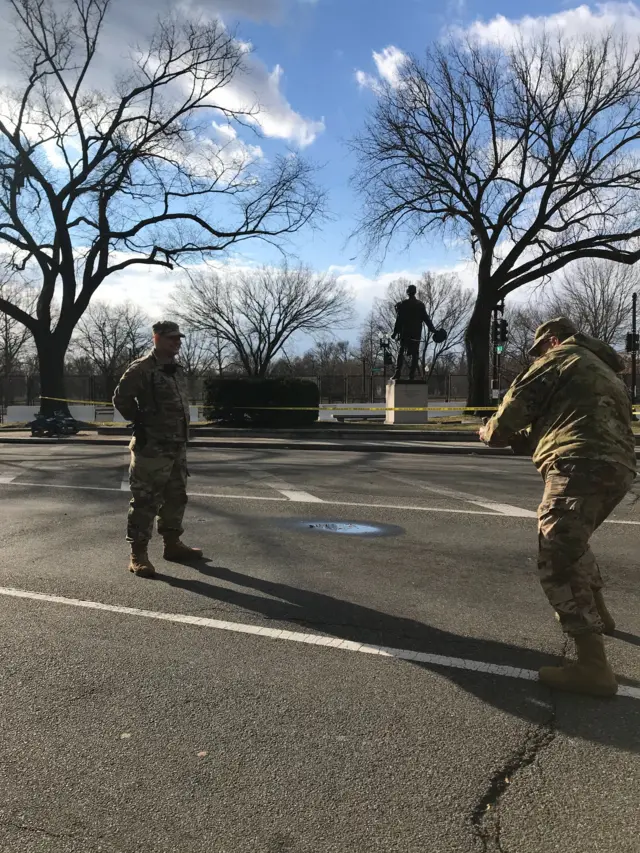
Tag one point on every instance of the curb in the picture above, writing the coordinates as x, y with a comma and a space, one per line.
315, 435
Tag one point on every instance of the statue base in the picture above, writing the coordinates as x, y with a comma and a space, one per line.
407, 394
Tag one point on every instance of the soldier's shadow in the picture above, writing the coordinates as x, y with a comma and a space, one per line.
607, 722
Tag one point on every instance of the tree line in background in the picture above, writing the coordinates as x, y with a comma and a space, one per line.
247, 323
527, 154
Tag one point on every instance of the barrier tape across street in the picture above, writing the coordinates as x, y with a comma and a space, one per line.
324, 408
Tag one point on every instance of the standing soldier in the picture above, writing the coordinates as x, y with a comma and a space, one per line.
577, 416
153, 395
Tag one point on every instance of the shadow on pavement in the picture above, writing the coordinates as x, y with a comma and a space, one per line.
627, 638
611, 723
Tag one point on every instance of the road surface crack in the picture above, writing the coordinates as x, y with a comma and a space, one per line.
486, 819
67, 836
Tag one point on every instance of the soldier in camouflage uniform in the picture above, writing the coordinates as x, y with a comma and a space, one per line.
573, 412
153, 395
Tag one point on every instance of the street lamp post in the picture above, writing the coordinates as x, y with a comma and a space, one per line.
634, 354
385, 343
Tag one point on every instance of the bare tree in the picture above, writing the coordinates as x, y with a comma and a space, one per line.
523, 321
110, 337
368, 347
200, 355
257, 312
596, 295
529, 154
328, 356
95, 179
15, 339
448, 304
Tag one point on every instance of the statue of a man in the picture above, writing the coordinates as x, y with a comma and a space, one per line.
411, 313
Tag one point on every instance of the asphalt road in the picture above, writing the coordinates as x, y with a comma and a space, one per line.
303, 690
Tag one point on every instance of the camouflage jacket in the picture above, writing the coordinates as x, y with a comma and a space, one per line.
574, 405
157, 401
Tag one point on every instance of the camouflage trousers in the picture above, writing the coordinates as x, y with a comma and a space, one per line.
578, 496
158, 481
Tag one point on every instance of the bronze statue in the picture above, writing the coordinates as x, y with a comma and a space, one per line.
411, 313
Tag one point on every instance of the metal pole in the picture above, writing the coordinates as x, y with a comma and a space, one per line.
634, 354
499, 356
494, 381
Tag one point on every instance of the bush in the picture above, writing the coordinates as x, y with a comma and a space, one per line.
261, 402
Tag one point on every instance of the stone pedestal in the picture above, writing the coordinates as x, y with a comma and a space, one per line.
405, 393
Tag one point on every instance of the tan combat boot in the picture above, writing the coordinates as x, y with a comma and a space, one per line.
140, 564
590, 674
177, 552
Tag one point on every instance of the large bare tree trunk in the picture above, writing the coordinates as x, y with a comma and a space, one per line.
478, 346
51, 354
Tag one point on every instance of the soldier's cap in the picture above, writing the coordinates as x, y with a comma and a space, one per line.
168, 329
560, 327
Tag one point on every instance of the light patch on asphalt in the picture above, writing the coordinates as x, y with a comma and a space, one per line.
298, 637
7, 478
367, 529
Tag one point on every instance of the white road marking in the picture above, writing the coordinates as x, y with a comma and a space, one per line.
299, 499
477, 500
297, 637
8, 478
506, 509
287, 489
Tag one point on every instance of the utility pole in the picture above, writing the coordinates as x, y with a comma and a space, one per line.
633, 345
634, 354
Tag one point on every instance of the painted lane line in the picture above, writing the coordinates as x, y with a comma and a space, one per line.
477, 500
506, 509
8, 478
327, 503
300, 497
287, 489
297, 637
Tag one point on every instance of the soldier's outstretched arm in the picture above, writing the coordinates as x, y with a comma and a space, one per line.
522, 404
129, 388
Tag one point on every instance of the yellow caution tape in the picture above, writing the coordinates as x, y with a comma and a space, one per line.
356, 408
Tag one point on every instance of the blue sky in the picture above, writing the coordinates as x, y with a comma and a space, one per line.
327, 49
313, 68
321, 46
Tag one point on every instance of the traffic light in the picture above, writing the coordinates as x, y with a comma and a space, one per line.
500, 334
633, 342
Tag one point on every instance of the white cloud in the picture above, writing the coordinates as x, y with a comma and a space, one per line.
256, 87
152, 287
583, 21
388, 62
260, 89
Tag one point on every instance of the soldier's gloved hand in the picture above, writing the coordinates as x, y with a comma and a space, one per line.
140, 434
521, 444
